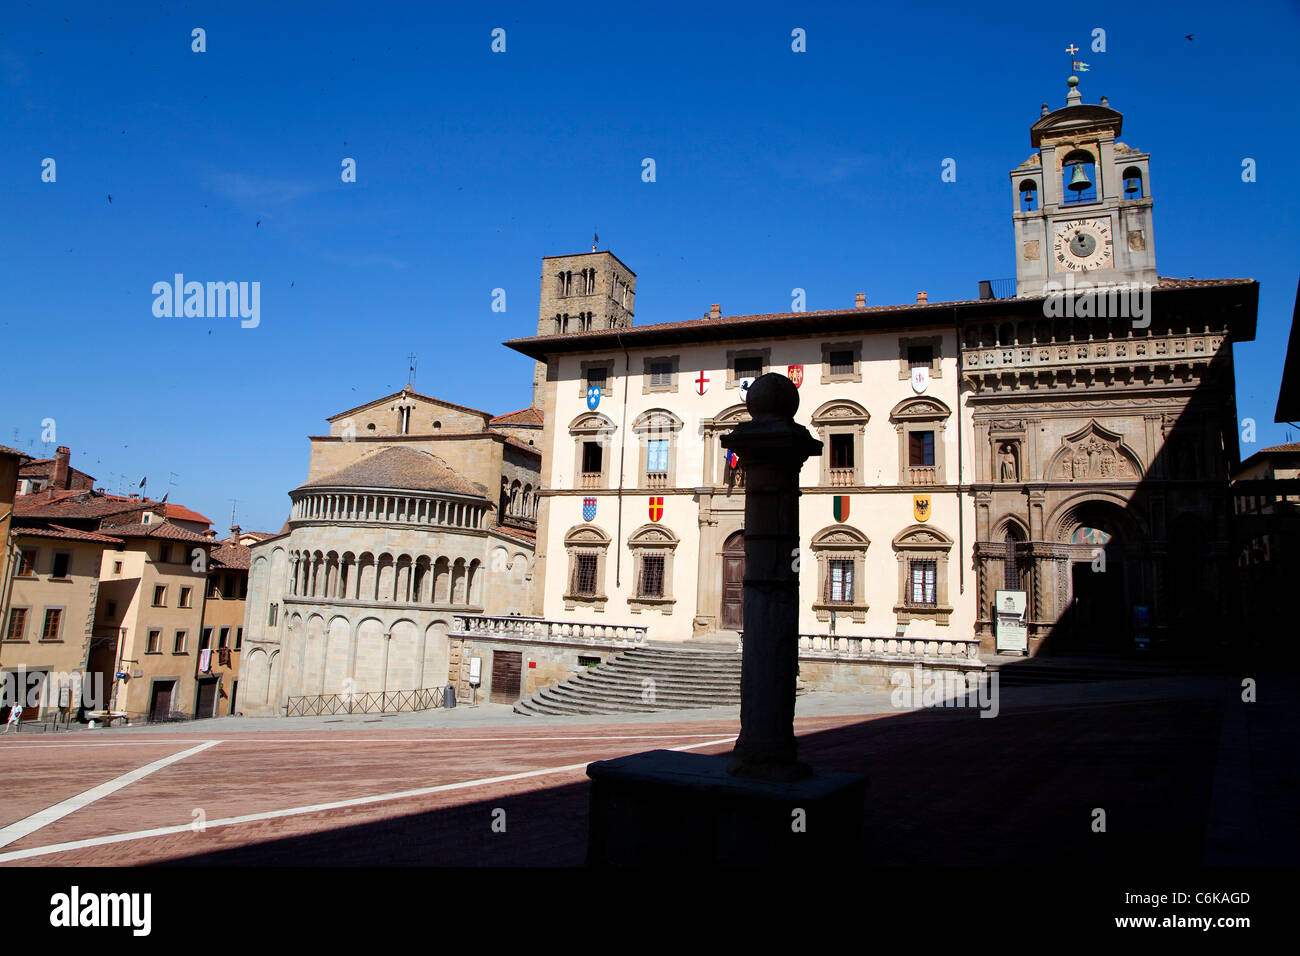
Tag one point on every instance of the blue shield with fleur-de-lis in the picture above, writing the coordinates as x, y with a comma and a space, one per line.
588, 509
593, 396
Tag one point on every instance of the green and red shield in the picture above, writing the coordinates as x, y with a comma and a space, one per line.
840, 506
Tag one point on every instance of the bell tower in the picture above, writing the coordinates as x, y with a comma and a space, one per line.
1082, 202
582, 293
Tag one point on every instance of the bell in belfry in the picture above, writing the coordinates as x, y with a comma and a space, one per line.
1079, 180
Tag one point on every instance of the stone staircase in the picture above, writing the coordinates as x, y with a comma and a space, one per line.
659, 676
1038, 671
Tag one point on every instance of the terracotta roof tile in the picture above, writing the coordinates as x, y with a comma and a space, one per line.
407, 391
76, 504
181, 513
162, 530
65, 534
527, 537
6, 450
525, 416
401, 469
231, 555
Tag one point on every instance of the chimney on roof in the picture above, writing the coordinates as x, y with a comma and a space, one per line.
235, 532
60, 476
922, 298
715, 311
860, 301
210, 533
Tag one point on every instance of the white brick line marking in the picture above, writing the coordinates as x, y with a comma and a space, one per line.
43, 818
314, 808
252, 739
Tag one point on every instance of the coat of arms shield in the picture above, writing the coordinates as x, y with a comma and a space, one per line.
588, 509
593, 396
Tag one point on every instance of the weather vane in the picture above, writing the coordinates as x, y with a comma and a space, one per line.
1076, 66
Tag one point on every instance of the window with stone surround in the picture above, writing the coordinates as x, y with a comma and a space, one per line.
746, 363
841, 425
592, 435
841, 554
596, 372
841, 362
657, 432
922, 552
717, 470
660, 375
587, 546
911, 351
920, 423
652, 547
17, 630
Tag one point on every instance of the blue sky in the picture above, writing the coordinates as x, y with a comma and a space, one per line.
774, 170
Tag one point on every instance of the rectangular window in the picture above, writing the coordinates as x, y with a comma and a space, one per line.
160, 596
920, 449
841, 451
592, 457
223, 637
243, 587
921, 590
61, 561
229, 589
50, 632
661, 374
748, 368
271, 614
205, 641
598, 377
117, 567
17, 624
920, 356
27, 564
186, 596
584, 575
178, 645
652, 576
112, 609
656, 455
839, 581
164, 553
842, 362
239, 638
213, 590
155, 641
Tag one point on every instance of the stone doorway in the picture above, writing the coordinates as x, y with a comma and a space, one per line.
733, 582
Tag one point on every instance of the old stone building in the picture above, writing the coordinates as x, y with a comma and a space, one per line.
1067, 436
414, 509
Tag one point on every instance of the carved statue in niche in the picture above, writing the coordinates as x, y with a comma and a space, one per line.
1010, 470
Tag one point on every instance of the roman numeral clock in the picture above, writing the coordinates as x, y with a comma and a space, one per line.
1084, 245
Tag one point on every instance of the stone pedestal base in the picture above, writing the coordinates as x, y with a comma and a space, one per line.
670, 808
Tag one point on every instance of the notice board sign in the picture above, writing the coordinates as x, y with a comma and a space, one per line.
1012, 632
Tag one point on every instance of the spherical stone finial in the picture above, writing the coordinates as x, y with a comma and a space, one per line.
772, 395
1072, 81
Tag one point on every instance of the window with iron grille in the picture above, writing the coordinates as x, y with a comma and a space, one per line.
17, 624
661, 374
1011, 570
920, 448
920, 356
839, 581
584, 575
842, 362
50, 632
598, 377
922, 585
841, 451
652, 576
748, 368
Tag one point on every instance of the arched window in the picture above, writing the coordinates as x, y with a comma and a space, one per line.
652, 548
841, 425
1079, 177
1028, 195
586, 546
1133, 183
1011, 561
922, 552
841, 553
657, 431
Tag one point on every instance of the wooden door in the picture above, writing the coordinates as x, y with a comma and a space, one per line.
733, 582
207, 704
507, 666
160, 704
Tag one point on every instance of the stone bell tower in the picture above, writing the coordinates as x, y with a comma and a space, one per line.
1082, 203
581, 293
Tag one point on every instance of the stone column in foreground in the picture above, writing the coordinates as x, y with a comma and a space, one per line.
772, 448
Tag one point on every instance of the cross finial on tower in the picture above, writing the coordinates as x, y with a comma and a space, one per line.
410, 376
595, 238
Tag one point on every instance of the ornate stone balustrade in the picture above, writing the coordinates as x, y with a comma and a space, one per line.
555, 632
946, 650
1129, 350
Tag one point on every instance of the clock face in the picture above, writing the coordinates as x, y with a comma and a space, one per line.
1084, 244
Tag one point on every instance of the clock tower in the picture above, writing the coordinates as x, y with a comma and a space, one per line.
1082, 202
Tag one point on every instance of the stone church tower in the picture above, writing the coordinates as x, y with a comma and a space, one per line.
582, 293
1083, 202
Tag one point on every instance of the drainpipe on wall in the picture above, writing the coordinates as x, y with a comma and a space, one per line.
622, 452
12, 554
961, 511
